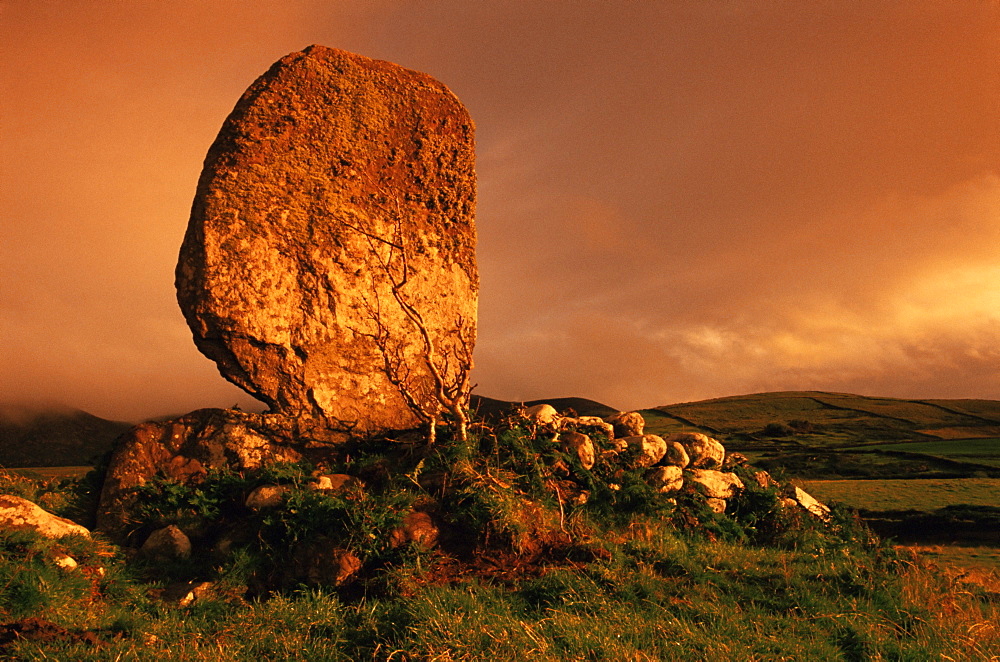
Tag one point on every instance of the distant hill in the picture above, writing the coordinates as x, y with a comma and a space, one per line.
492, 408
834, 419
53, 436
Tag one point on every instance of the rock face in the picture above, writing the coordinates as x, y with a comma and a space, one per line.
335, 211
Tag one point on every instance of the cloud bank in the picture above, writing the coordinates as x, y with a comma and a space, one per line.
678, 200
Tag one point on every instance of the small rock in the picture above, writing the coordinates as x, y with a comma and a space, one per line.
666, 479
20, 514
618, 446
580, 445
560, 468
763, 479
802, 498
593, 422
734, 460
336, 483
418, 528
323, 562
184, 594
541, 414
675, 456
166, 544
627, 423
65, 562
716, 484
267, 496
651, 448
703, 451
716, 505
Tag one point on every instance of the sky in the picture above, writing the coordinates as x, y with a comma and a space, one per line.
678, 200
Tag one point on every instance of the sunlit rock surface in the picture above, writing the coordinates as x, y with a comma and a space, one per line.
335, 178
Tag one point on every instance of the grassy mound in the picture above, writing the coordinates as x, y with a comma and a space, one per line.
537, 557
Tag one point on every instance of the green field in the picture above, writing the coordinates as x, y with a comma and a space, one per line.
916, 494
979, 451
819, 419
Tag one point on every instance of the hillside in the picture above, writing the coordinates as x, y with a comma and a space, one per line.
839, 419
51, 437
490, 408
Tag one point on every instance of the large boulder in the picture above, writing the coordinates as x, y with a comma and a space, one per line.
333, 219
23, 515
185, 449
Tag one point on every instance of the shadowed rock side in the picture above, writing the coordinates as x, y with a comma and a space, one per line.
340, 191
185, 449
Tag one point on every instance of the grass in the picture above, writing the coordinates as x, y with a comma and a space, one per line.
660, 596
958, 559
917, 494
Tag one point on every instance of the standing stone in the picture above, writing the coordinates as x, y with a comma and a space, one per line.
335, 180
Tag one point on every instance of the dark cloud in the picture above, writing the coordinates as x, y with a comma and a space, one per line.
678, 199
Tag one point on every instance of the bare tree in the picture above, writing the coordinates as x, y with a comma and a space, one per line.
436, 384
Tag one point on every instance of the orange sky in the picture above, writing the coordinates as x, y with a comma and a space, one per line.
678, 199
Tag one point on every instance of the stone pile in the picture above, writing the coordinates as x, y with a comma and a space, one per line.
683, 459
